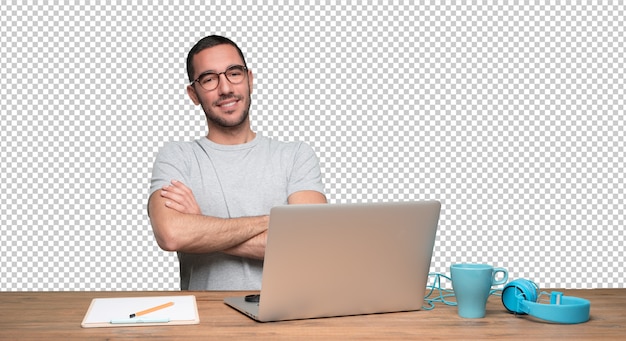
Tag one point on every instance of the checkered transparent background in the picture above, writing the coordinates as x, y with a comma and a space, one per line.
511, 115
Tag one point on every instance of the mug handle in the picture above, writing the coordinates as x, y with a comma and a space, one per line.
504, 278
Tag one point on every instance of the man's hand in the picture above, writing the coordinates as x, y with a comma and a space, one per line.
180, 198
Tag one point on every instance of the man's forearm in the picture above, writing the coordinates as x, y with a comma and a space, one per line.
205, 234
194, 233
251, 248
179, 226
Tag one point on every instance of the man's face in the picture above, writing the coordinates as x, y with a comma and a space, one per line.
226, 106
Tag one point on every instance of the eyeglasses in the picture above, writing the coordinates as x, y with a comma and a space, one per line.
210, 80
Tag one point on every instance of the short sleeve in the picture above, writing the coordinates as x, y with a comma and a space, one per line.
169, 164
306, 174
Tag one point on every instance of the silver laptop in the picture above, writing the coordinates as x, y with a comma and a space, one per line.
329, 260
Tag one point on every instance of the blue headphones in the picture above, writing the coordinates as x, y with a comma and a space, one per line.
520, 297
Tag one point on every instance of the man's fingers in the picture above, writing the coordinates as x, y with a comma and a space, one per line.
181, 186
180, 198
175, 206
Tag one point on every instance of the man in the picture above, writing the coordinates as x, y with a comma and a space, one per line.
210, 198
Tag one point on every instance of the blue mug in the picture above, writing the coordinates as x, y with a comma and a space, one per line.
472, 284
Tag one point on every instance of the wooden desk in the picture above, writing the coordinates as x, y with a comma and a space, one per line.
57, 316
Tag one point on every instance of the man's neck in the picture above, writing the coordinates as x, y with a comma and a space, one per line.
231, 137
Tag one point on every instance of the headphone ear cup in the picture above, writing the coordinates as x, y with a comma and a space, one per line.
517, 291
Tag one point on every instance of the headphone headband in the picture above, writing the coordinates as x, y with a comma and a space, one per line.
520, 296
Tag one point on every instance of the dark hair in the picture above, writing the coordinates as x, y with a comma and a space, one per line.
205, 43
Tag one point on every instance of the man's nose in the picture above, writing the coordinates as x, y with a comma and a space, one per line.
224, 86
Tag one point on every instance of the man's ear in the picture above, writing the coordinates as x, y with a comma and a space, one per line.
250, 80
191, 92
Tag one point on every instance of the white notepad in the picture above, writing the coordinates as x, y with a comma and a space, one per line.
115, 312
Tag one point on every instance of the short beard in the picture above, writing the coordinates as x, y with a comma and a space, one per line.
220, 122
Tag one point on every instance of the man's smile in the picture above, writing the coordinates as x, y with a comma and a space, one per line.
228, 103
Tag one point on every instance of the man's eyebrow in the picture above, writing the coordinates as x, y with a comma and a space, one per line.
213, 71
206, 72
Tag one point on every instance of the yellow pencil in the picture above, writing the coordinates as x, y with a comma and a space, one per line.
147, 311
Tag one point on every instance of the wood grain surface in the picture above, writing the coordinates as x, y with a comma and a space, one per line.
57, 316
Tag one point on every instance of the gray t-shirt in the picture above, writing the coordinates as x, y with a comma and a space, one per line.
232, 181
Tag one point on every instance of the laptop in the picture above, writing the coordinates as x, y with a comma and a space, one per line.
326, 260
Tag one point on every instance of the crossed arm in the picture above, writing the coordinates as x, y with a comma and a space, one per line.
178, 224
